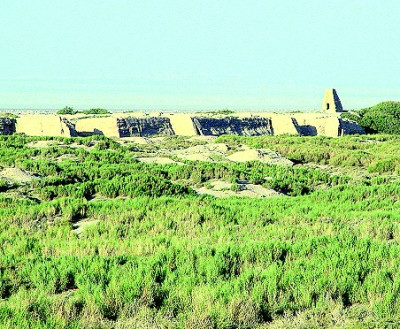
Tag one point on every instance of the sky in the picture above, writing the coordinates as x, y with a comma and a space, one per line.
195, 55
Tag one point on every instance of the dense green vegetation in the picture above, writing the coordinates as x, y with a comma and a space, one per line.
156, 255
375, 153
381, 118
67, 110
8, 115
96, 111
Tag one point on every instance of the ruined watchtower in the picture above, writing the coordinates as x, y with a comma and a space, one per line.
332, 103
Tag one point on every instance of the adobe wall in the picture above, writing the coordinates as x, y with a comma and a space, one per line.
282, 124
125, 126
186, 124
315, 124
182, 124
106, 126
151, 126
229, 125
45, 125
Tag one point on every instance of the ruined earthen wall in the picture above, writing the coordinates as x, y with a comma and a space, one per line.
252, 126
97, 126
122, 125
152, 126
314, 124
7, 126
348, 127
45, 125
283, 124
182, 124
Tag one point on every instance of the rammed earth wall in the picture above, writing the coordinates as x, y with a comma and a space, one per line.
254, 126
153, 126
7, 126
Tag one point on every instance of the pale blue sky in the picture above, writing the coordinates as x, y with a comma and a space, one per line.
197, 54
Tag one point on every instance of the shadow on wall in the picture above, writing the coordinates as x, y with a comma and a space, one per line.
90, 133
7, 126
348, 127
130, 126
305, 130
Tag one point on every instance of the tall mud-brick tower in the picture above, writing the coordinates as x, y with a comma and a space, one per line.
332, 103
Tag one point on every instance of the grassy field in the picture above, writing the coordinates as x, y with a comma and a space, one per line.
96, 239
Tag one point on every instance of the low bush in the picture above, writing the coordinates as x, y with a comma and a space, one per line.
67, 110
96, 111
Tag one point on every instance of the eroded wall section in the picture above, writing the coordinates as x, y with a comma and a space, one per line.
7, 126
253, 126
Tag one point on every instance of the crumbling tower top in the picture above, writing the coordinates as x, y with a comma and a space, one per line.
332, 103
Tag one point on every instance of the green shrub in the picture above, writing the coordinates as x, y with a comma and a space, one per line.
96, 111
67, 110
9, 115
221, 112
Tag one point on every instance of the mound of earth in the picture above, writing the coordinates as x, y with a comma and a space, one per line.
263, 155
208, 152
222, 189
16, 175
215, 152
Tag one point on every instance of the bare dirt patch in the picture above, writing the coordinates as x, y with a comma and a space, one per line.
66, 157
263, 155
158, 160
17, 175
222, 189
208, 152
41, 144
86, 147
